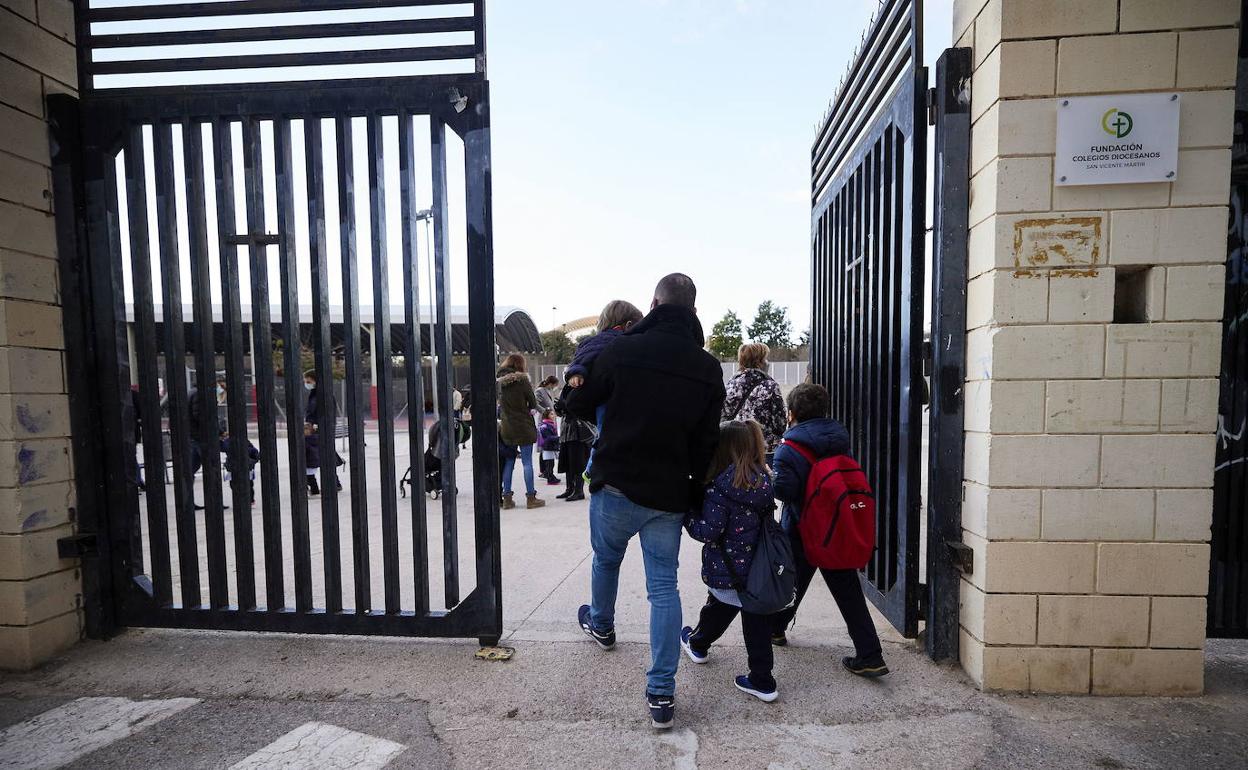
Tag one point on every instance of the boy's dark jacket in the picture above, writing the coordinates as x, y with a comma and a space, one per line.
253, 457
663, 395
729, 524
588, 350
822, 436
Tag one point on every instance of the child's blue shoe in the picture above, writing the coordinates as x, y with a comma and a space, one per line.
749, 688
686, 634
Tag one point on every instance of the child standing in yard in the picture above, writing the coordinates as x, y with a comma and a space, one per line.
252, 457
617, 317
738, 496
548, 438
812, 436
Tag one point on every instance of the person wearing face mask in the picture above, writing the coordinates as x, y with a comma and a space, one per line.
312, 439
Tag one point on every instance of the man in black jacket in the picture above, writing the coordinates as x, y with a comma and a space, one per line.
663, 394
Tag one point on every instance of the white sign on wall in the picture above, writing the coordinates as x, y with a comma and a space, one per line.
1117, 139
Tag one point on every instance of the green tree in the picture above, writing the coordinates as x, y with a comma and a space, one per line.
726, 336
772, 326
803, 340
557, 345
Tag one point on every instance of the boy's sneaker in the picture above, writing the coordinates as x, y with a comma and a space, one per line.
605, 640
686, 634
662, 710
779, 640
749, 688
866, 667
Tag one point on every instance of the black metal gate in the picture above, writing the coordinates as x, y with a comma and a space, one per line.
206, 211
868, 169
1228, 568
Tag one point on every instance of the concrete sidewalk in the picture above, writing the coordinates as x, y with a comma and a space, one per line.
155, 698
567, 704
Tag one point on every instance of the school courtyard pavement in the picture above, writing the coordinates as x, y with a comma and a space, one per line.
177, 699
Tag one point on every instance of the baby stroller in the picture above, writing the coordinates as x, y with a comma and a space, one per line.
433, 463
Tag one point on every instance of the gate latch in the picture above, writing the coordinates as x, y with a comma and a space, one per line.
257, 240
963, 556
77, 546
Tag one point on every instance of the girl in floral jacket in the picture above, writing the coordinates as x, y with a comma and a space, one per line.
737, 498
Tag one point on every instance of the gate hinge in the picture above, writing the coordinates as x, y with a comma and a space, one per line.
931, 106
77, 546
963, 556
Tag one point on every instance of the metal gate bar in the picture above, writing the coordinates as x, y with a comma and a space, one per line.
292, 365
262, 361
205, 363
345, 156
326, 418
145, 338
442, 351
236, 459
415, 375
175, 362
382, 351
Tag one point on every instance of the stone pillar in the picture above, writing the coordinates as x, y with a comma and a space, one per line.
1093, 352
39, 593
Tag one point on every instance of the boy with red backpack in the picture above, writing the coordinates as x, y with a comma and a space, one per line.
840, 500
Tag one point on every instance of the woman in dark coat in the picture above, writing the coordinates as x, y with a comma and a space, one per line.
516, 404
576, 438
754, 395
311, 433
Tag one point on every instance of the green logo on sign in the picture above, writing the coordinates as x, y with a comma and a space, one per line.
1117, 123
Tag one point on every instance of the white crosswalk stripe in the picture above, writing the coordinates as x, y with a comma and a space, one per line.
59, 736
325, 747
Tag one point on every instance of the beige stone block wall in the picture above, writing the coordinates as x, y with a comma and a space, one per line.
40, 594
1093, 351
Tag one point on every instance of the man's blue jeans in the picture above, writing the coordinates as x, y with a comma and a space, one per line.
509, 467
613, 520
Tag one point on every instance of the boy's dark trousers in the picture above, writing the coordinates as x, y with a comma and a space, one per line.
714, 621
846, 590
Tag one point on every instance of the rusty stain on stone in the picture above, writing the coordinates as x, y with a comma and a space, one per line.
1053, 241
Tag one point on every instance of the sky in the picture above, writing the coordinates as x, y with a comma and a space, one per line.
630, 139
640, 137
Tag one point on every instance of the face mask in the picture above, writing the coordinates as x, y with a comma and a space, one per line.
308, 386
220, 391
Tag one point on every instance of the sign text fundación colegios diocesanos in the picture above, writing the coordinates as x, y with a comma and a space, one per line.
1117, 139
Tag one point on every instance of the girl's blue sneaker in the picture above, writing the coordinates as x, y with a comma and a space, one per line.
749, 688
686, 634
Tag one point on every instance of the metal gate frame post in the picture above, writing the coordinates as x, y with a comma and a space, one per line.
952, 104
479, 214
90, 511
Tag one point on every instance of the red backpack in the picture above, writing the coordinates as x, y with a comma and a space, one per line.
837, 521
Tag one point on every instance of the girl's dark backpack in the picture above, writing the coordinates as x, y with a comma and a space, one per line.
771, 584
